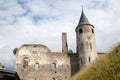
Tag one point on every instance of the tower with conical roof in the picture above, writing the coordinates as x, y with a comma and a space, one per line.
86, 46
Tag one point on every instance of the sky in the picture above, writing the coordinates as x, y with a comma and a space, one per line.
43, 21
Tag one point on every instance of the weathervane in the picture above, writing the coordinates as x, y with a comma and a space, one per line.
82, 4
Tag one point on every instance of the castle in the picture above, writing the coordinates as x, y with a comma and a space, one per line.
37, 62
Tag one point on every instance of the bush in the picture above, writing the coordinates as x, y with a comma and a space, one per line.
15, 50
70, 52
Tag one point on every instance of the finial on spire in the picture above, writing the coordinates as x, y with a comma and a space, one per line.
82, 6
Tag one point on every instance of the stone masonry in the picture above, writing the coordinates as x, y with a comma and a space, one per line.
37, 62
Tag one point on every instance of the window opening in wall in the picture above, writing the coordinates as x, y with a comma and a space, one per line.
89, 59
25, 62
34, 49
34, 46
92, 31
90, 46
53, 66
80, 31
53, 78
81, 61
37, 66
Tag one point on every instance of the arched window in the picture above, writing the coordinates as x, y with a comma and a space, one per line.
37, 66
34, 49
53, 66
25, 62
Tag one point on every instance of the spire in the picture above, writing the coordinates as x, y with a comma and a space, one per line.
83, 19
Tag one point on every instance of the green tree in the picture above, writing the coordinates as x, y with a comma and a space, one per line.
15, 51
70, 52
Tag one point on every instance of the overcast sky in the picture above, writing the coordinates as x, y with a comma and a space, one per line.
43, 21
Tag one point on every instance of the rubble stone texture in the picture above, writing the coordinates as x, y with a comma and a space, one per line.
37, 62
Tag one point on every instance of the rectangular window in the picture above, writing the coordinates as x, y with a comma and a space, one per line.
53, 65
92, 31
25, 62
80, 31
90, 46
89, 59
36, 66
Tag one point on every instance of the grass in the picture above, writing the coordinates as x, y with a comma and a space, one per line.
106, 68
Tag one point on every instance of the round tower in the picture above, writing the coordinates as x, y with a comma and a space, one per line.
86, 46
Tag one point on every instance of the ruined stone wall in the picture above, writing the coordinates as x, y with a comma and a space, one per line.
74, 61
36, 62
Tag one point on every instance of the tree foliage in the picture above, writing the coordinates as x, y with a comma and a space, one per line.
15, 51
70, 52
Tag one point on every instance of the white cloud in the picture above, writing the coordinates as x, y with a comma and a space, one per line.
10, 10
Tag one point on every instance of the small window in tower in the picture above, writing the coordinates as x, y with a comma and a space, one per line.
89, 59
37, 66
53, 66
92, 31
90, 46
25, 62
53, 78
66, 45
80, 31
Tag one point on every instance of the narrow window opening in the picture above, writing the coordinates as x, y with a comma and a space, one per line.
34, 49
92, 31
89, 59
81, 62
53, 66
53, 78
90, 46
35, 46
25, 62
37, 66
80, 31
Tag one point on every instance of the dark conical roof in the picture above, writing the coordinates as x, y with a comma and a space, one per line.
83, 20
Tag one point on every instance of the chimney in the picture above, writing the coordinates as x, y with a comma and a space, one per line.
64, 43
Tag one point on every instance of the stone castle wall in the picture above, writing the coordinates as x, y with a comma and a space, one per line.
37, 62
74, 61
